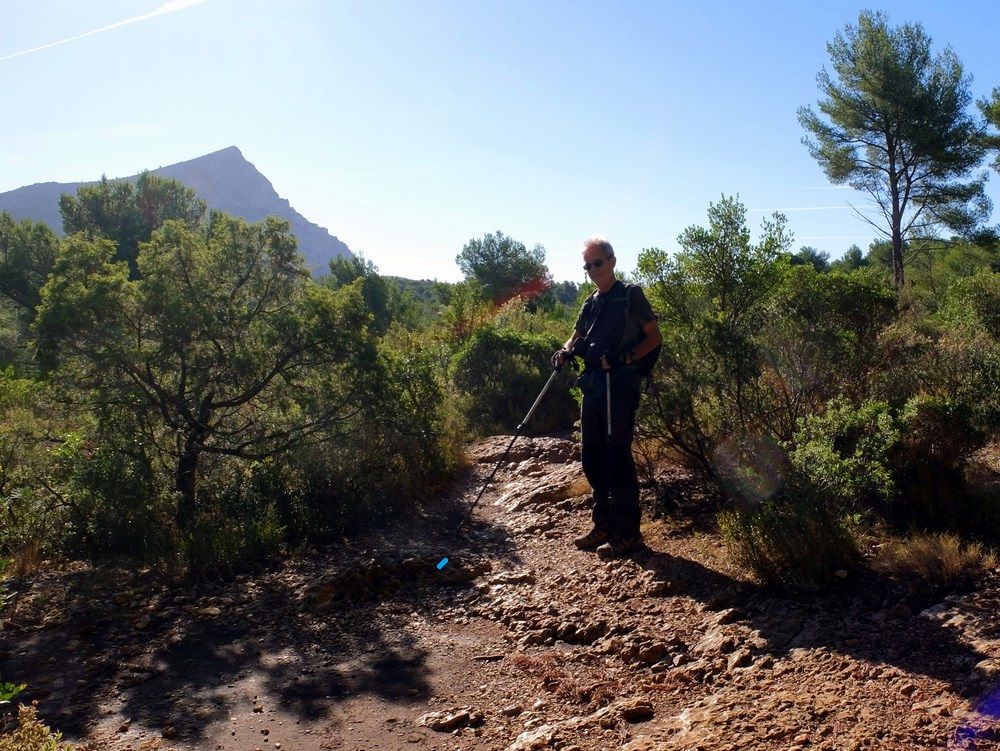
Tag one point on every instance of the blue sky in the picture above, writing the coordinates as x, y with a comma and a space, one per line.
407, 128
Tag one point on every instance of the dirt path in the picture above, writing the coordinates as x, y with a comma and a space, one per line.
518, 642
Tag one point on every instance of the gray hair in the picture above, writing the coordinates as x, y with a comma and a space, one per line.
600, 242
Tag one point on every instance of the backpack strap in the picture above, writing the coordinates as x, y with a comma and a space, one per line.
592, 300
628, 309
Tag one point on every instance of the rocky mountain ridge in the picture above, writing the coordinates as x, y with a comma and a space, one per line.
224, 179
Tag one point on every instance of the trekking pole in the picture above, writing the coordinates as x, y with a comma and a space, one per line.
607, 391
517, 432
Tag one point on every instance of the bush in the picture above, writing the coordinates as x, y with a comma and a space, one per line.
820, 341
795, 540
938, 430
499, 372
712, 301
237, 531
398, 447
844, 454
111, 498
940, 562
31, 735
32, 519
982, 292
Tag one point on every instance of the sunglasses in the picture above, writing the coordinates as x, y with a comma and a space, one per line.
595, 264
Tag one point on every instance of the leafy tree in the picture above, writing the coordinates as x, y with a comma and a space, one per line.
27, 251
854, 258
990, 109
10, 333
566, 293
504, 267
381, 295
128, 214
421, 290
896, 127
222, 346
810, 256
712, 300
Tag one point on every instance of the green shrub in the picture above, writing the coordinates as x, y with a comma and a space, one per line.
795, 540
236, 525
838, 467
499, 372
112, 500
938, 430
820, 341
32, 519
952, 355
844, 454
982, 292
9, 691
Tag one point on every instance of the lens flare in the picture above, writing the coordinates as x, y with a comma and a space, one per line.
750, 466
983, 724
529, 290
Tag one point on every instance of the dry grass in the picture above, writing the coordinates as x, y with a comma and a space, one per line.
939, 561
27, 559
547, 668
578, 487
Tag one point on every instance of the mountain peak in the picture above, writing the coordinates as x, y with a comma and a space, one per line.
224, 179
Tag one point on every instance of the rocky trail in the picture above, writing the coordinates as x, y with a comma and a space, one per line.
519, 642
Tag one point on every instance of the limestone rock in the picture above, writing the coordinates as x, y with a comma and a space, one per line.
533, 740
449, 720
738, 659
644, 743
715, 642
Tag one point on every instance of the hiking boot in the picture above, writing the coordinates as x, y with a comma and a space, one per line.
620, 546
591, 540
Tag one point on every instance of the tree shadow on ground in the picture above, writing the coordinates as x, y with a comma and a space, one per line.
172, 654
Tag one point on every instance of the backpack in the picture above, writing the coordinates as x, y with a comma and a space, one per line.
646, 363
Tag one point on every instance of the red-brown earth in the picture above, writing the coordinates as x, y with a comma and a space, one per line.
519, 642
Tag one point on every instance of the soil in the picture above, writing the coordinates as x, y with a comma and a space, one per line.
519, 641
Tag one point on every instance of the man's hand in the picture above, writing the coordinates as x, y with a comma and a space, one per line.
559, 358
627, 357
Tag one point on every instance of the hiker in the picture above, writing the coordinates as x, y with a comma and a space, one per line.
612, 348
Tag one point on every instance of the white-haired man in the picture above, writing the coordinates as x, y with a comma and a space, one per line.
615, 329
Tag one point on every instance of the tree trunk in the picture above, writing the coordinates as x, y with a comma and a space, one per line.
897, 256
897, 219
186, 478
185, 483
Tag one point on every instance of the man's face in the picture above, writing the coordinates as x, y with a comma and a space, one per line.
598, 274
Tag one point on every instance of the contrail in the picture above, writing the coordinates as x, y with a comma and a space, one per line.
808, 208
167, 7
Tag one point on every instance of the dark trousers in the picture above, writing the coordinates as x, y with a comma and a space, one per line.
608, 464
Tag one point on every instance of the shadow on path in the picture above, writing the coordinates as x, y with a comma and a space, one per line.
174, 653
867, 618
